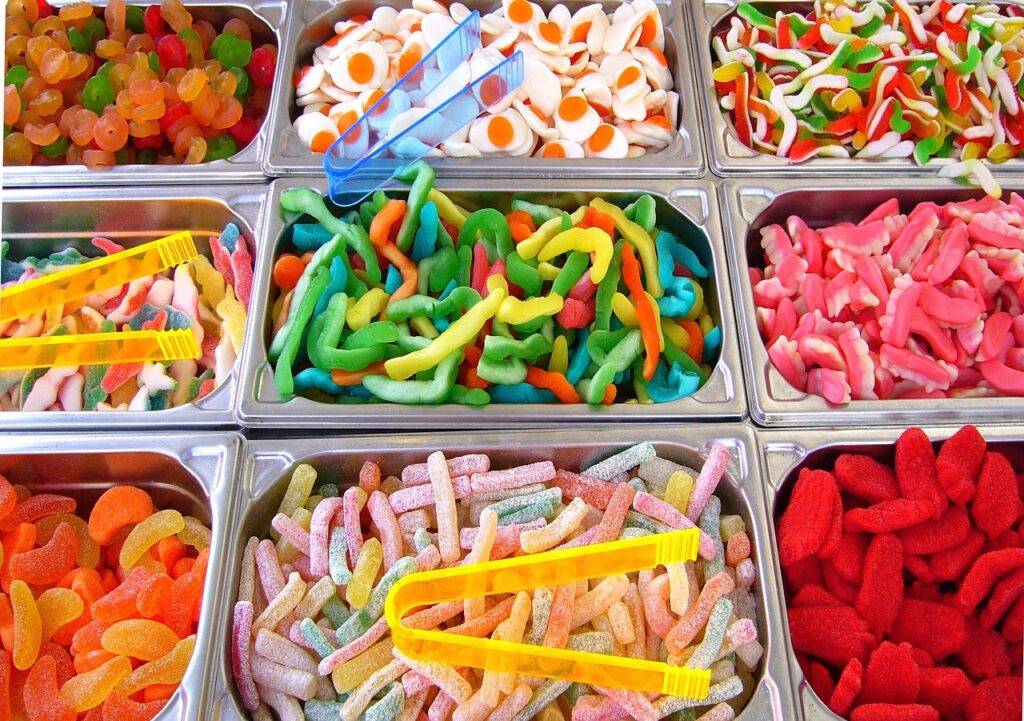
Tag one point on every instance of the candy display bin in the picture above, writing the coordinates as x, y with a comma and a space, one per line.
750, 205
784, 453
37, 223
269, 463
683, 208
727, 156
265, 19
191, 475
311, 23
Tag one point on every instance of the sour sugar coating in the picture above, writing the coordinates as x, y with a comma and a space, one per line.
527, 304
911, 613
595, 85
199, 296
903, 81
910, 303
120, 85
98, 637
335, 656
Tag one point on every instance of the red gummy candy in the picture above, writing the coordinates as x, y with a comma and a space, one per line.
888, 516
845, 592
952, 564
835, 529
881, 592
5, 685
958, 463
918, 568
996, 503
891, 676
944, 688
799, 574
985, 572
865, 478
933, 536
833, 634
935, 628
804, 525
118, 707
894, 712
821, 680
848, 687
1013, 624
995, 700
814, 595
985, 654
47, 564
848, 560
1004, 595
915, 470
8, 498
35, 507
42, 693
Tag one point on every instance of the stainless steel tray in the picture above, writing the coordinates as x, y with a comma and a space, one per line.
39, 221
727, 156
783, 453
268, 465
194, 476
684, 203
266, 19
311, 22
749, 205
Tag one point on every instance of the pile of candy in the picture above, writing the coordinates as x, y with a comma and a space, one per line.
125, 84
877, 80
906, 592
925, 305
475, 308
96, 616
309, 637
595, 85
212, 300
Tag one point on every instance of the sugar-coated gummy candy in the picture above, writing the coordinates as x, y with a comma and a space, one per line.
342, 650
912, 614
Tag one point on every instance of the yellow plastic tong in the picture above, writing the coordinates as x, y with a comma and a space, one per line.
70, 284
523, 573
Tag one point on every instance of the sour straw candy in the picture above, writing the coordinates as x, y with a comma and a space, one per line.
922, 305
595, 85
421, 301
99, 615
125, 84
877, 80
340, 660
210, 300
906, 593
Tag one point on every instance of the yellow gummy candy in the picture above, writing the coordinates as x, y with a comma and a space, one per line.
365, 573
729, 72
678, 489
299, 488
167, 669
675, 333
640, 239
698, 303
363, 310
548, 271
28, 626
139, 638
422, 325
209, 280
232, 315
530, 246
585, 240
147, 533
449, 211
195, 533
559, 362
352, 673
90, 689
515, 311
57, 606
286, 552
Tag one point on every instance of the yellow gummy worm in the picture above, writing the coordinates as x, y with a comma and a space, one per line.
585, 240
422, 325
529, 247
515, 311
459, 334
640, 239
623, 309
559, 362
675, 333
548, 271
449, 211
366, 308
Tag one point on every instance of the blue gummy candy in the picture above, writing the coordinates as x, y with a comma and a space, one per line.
229, 237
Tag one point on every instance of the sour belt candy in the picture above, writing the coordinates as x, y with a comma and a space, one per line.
877, 80
210, 299
906, 592
99, 616
123, 84
926, 304
421, 301
311, 651
595, 85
